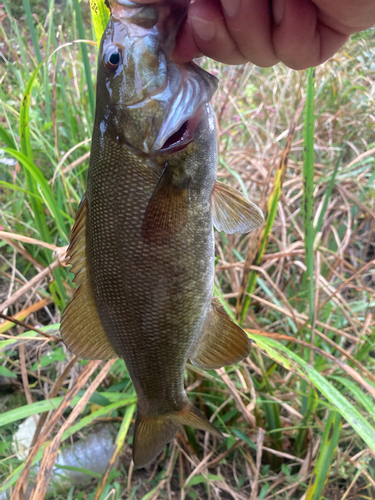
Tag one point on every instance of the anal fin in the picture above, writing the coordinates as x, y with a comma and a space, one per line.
81, 328
222, 343
231, 212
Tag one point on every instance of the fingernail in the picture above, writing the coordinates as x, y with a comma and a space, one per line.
231, 7
278, 10
204, 29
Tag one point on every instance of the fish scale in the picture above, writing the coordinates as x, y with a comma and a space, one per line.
142, 246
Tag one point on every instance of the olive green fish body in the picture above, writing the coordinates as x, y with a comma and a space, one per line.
152, 297
142, 246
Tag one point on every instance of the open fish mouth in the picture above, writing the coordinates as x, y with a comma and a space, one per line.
188, 89
183, 136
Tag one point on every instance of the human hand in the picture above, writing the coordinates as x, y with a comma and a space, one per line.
299, 33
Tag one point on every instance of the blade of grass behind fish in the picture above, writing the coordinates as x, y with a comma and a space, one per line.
6, 137
19, 39
24, 131
250, 277
309, 404
41, 181
327, 195
82, 424
29, 17
82, 379
50, 33
44, 71
122, 433
100, 17
359, 423
117, 399
308, 191
35, 178
236, 175
369, 345
327, 449
363, 399
50, 453
85, 57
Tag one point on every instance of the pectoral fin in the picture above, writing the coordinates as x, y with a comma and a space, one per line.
231, 212
166, 213
222, 343
81, 328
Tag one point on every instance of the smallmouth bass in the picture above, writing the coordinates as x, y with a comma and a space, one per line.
142, 246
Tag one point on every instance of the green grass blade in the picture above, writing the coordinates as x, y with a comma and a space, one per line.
6, 344
368, 346
29, 17
7, 138
32, 409
358, 394
224, 303
23, 412
327, 195
100, 17
326, 451
84, 422
122, 433
13, 187
85, 56
77, 469
272, 205
59, 301
273, 423
359, 423
14, 25
40, 180
308, 189
47, 94
24, 130
272, 350
310, 403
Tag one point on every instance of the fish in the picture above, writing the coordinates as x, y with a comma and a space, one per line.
142, 245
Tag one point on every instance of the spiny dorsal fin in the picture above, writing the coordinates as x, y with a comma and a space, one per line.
166, 213
81, 328
222, 343
231, 212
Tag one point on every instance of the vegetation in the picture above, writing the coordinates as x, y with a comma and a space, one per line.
298, 414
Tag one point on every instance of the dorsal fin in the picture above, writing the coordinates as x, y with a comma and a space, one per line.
81, 328
231, 212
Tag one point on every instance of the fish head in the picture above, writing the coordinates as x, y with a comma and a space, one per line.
145, 100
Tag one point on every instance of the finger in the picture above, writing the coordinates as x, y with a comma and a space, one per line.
211, 33
249, 23
300, 39
186, 48
346, 16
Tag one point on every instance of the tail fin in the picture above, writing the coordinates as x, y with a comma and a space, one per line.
152, 434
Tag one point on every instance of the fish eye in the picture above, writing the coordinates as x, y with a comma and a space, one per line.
113, 58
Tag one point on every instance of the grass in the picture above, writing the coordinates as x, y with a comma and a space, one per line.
298, 414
